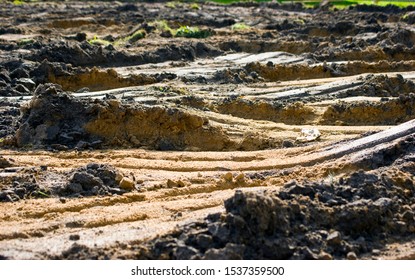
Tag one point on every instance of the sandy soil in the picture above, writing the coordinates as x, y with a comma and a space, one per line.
235, 145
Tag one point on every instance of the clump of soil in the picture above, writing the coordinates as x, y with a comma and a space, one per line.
4, 162
15, 78
57, 119
39, 182
93, 179
53, 117
85, 54
9, 122
21, 184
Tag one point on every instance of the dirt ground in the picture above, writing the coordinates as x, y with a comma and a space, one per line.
267, 132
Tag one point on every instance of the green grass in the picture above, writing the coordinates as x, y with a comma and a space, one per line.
24, 42
191, 32
161, 26
137, 35
240, 26
98, 41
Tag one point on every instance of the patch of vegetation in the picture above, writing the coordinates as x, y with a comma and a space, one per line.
171, 5
98, 41
240, 26
161, 26
192, 32
24, 42
17, 2
194, 6
137, 35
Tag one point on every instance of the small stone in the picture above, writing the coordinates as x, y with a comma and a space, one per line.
288, 143
376, 252
19, 73
82, 145
351, 256
408, 216
127, 184
28, 83
86, 180
184, 252
204, 241
22, 89
4, 162
74, 237
228, 177
62, 200
80, 36
240, 177
325, 256
118, 177
173, 184
334, 238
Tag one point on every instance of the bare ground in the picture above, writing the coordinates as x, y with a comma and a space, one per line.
167, 147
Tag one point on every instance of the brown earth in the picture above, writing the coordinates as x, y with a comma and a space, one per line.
289, 138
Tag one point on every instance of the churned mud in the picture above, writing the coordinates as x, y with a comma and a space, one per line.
247, 131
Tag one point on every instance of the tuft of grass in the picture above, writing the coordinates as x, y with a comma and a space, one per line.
171, 5
42, 194
192, 32
97, 41
24, 42
161, 26
240, 26
137, 35
194, 6
18, 2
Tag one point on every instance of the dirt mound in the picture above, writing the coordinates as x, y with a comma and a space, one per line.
54, 118
395, 105
341, 217
385, 112
95, 179
274, 73
382, 86
85, 54
15, 78
86, 79
39, 182
21, 184
294, 113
